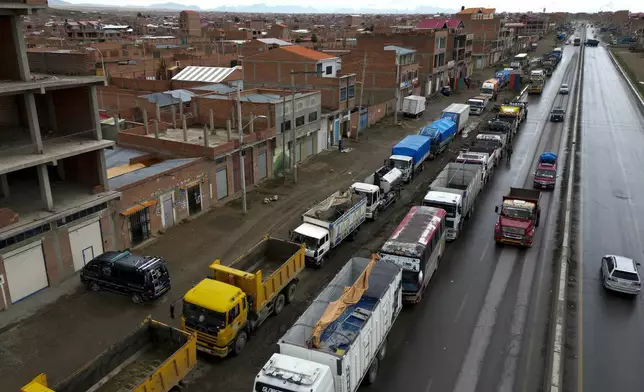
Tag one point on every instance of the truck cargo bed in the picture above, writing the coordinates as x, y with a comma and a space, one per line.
267, 256
523, 194
153, 357
334, 206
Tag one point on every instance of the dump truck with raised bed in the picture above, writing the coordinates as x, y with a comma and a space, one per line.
340, 340
519, 216
225, 308
153, 357
328, 223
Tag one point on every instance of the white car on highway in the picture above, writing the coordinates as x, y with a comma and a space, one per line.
564, 89
620, 274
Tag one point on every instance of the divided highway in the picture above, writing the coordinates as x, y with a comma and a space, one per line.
610, 330
482, 325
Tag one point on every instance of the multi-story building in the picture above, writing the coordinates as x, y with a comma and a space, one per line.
352, 20
189, 25
54, 214
535, 24
431, 54
301, 68
486, 27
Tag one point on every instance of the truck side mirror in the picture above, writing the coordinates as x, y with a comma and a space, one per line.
172, 311
496, 209
460, 210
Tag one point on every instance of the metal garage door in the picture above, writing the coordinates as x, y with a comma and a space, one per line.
309, 146
261, 157
248, 172
86, 242
26, 272
222, 183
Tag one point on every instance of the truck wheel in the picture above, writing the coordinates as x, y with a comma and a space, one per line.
372, 373
94, 287
290, 292
383, 350
136, 298
279, 303
374, 216
240, 342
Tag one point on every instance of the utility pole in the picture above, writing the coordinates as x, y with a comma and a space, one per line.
397, 88
242, 173
364, 70
284, 136
293, 127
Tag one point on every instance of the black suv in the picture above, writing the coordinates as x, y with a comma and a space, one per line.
557, 114
144, 278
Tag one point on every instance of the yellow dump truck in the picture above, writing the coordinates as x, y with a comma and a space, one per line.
225, 308
154, 357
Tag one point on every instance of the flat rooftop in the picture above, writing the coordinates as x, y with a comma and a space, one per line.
195, 136
18, 154
41, 83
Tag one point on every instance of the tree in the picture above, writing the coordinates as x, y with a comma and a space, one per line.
139, 15
314, 38
237, 19
298, 40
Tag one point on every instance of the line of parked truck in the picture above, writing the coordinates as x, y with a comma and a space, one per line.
324, 350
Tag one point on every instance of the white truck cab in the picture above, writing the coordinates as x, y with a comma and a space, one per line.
483, 159
453, 206
315, 238
403, 163
372, 193
287, 374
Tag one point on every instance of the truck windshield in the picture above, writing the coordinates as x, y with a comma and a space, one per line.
487, 90
519, 213
545, 173
402, 165
202, 317
475, 103
409, 281
310, 242
370, 196
449, 208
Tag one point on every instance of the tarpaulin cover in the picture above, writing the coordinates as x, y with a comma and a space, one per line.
442, 129
548, 157
350, 296
414, 146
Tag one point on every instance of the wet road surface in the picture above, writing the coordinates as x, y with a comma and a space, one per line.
482, 324
611, 336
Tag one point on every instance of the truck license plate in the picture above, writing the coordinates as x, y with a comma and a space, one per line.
543, 186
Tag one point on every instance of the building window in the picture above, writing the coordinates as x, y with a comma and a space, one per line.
18, 238
299, 121
343, 94
329, 69
352, 91
140, 226
318, 68
80, 214
286, 126
313, 116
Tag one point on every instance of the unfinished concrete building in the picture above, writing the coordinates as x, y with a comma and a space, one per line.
54, 190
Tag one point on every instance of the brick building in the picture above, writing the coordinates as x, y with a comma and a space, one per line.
431, 53
313, 70
189, 25
53, 182
486, 27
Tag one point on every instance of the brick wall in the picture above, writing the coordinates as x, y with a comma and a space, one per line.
82, 169
73, 110
62, 63
9, 64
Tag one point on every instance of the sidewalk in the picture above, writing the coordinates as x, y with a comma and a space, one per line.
57, 331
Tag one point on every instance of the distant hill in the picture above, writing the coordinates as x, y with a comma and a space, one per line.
59, 2
173, 6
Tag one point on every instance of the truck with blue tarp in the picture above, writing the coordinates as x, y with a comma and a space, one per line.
441, 132
503, 76
339, 342
409, 154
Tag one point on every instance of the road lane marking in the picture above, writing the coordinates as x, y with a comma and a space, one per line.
487, 246
480, 339
429, 385
461, 307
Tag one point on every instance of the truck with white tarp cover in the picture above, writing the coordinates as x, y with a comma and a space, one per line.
340, 339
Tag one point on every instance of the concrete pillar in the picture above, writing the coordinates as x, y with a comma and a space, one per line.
196, 110
51, 112
185, 128
145, 122
102, 170
4, 186
96, 121
45, 188
17, 32
180, 109
32, 120
251, 126
211, 117
174, 117
60, 169
156, 128
158, 112
205, 137
228, 129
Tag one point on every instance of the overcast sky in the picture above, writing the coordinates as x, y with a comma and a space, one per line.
500, 5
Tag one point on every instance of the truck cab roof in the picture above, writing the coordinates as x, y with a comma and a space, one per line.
442, 197
366, 188
312, 231
213, 294
400, 158
298, 375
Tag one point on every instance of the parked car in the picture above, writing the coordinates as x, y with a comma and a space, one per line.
557, 114
620, 274
564, 89
143, 278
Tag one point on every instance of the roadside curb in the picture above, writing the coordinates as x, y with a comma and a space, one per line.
555, 361
634, 90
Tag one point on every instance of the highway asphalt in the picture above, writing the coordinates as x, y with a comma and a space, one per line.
482, 325
611, 330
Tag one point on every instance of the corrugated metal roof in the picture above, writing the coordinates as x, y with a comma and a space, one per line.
400, 50
219, 88
203, 74
141, 174
183, 95
162, 99
274, 41
120, 156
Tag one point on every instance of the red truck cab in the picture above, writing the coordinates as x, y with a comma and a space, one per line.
519, 216
545, 177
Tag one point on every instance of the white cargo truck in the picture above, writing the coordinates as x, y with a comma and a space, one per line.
455, 190
459, 113
484, 160
414, 105
381, 189
320, 353
327, 224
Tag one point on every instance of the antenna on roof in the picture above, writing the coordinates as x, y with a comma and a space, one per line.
462, 8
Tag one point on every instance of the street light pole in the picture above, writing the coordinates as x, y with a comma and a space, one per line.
397, 88
241, 150
293, 127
